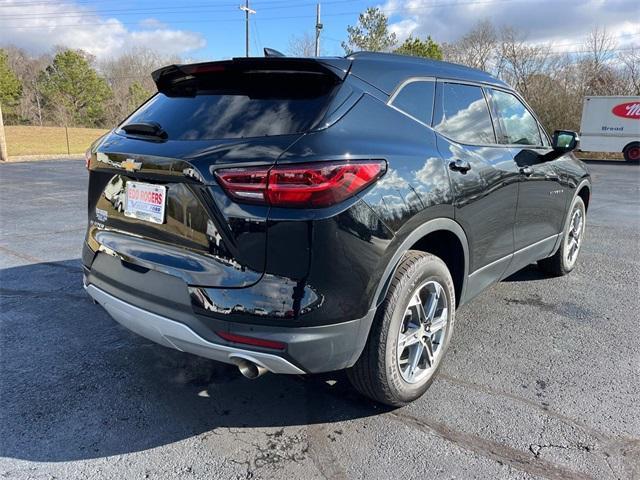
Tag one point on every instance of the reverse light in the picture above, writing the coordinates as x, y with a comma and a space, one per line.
256, 342
310, 185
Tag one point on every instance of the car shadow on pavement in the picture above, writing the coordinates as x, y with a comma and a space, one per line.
76, 385
527, 274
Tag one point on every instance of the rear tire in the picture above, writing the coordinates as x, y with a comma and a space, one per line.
565, 259
410, 333
631, 152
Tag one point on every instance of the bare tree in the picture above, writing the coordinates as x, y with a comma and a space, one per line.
630, 60
129, 77
476, 49
302, 45
597, 74
599, 47
518, 62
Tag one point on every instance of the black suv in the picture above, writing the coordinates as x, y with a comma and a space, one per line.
299, 215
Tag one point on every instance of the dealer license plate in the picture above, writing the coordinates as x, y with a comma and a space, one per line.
146, 201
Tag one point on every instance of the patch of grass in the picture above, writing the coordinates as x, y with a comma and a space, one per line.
599, 155
26, 140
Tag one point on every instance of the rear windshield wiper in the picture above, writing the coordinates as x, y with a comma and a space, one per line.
147, 129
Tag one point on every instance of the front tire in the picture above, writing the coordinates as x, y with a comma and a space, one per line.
565, 259
410, 333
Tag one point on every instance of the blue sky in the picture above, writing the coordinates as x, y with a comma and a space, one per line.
202, 30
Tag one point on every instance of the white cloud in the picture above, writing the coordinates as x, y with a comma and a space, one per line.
565, 23
41, 27
152, 23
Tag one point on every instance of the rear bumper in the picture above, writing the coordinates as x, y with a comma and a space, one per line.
176, 335
309, 349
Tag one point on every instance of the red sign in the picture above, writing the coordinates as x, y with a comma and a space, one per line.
627, 110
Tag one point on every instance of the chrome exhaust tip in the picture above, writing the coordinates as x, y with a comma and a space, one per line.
249, 369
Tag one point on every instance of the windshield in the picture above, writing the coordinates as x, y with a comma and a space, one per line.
250, 104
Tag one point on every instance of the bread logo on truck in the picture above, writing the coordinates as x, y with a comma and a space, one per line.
627, 110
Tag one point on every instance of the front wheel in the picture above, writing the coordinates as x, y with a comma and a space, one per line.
564, 260
410, 333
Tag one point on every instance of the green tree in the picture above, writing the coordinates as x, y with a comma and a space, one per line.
420, 48
136, 96
73, 92
10, 89
370, 34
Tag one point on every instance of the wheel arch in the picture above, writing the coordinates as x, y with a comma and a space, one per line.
442, 237
584, 192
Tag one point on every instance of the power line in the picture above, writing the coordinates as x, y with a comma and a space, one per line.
256, 38
222, 8
196, 8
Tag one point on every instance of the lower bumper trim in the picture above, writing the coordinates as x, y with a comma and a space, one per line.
178, 336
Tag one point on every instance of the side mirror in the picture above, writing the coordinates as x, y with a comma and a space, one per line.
564, 141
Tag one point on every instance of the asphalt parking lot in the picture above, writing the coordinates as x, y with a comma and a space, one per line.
542, 380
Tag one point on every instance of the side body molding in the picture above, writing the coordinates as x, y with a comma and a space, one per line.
437, 224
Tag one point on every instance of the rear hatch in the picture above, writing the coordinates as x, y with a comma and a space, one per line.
153, 198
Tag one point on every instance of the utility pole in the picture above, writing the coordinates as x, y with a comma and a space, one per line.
318, 28
247, 12
3, 143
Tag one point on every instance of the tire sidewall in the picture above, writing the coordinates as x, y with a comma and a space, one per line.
430, 268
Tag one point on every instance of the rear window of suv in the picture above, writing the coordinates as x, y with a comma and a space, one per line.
239, 105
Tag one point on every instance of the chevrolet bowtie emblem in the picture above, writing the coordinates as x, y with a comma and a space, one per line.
130, 165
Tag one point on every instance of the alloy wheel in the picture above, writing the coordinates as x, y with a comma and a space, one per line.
573, 238
422, 333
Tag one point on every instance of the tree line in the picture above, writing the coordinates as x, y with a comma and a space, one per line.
70, 88
554, 82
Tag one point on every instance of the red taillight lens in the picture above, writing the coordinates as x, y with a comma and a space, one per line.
304, 185
256, 342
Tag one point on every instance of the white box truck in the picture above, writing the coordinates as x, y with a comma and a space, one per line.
611, 124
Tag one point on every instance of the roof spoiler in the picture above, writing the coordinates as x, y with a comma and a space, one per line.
173, 78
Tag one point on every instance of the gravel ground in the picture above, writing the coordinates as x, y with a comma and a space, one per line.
542, 380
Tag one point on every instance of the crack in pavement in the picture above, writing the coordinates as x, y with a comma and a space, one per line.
501, 453
532, 403
536, 448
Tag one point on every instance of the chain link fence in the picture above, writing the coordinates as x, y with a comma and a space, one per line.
27, 140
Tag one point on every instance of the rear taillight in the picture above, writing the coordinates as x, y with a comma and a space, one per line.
253, 341
310, 185
87, 158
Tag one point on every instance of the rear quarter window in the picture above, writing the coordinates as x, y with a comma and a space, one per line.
416, 100
247, 105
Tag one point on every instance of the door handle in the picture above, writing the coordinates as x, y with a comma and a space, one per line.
460, 165
526, 171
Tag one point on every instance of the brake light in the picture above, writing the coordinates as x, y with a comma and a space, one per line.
256, 342
311, 185
203, 68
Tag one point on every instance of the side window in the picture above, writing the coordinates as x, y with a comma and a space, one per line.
416, 99
462, 114
518, 125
